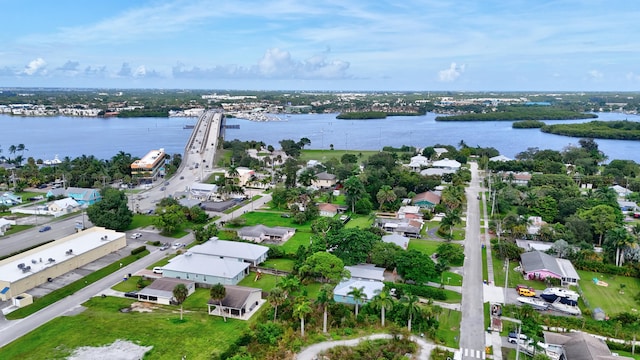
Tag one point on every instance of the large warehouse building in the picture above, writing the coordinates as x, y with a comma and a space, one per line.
23, 272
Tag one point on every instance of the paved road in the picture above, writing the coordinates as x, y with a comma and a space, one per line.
32, 237
472, 337
12, 330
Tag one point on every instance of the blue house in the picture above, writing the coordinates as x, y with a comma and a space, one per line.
10, 199
82, 196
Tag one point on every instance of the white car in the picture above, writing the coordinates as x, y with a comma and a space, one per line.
177, 245
136, 235
157, 270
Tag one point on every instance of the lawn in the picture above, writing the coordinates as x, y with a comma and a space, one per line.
266, 282
279, 264
425, 246
140, 221
130, 284
361, 221
16, 229
449, 330
449, 278
292, 245
272, 218
102, 323
515, 277
485, 267
324, 155
609, 298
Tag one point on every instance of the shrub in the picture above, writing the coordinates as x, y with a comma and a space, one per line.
418, 290
138, 250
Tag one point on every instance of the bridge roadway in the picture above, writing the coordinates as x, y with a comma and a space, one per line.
197, 162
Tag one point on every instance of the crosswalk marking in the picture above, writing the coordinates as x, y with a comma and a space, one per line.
472, 353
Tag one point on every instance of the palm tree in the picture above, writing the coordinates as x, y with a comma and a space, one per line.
619, 238
301, 310
276, 298
21, 148
180, 293
358, 296
411, 308
233, 172
354, 190
385, 195
451, 218
218, 292
289, 285
325, 297
307, 177
382, 301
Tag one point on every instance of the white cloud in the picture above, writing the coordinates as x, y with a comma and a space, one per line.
125, 70
35, 66
595, 74
452, 73
631, 76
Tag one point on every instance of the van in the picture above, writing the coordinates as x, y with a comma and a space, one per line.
157, 270
526, 292
513, 338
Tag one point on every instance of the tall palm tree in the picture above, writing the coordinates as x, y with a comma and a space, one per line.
180, 293
307, 177
289, 284
411, 308
385, 195
302, 309
276, 298
358, 296
619, 238
451, 218
382, 301
325, 297
218, 292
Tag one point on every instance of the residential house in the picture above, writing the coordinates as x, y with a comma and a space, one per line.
397, 239
577, 345
83, 196
324, 180
439, 151
260, 233
366, 272
160, 291
206, 269
10, 199
516, 178
62, 206
534, 224
418, 162
627, 205
409, 212
239, 302
427, 199
313, 163
530, 245
446, 164
328, 210
622, 192
57, 192
405, 227
5, 225
232, 250
537, 265
436, 172
370, 281
500, 158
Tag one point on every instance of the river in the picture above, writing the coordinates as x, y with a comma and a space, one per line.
45, 137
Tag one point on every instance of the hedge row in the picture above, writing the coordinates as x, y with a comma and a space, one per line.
418, 290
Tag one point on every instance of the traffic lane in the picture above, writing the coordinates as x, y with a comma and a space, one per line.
32, 237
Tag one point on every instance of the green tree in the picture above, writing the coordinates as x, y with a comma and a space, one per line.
307, 176
452, 253
547, 208
618, 238
301, 309
358, 296
324, 298
204, 233
169, 219
602, 219
354, 191
276, 298
385, 254
180, 294
326, 266
415, 266
451, 218
289, 285
352, 245
385, 196
112, 211
291, 173
218, 292
383, 302
411, 308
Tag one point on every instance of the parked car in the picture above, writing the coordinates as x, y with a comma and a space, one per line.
157, 270
131, 294
526, 292
177, 245
136, 235
520, 286
45, 228
164, 247
285, 215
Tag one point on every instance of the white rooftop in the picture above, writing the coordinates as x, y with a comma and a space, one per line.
205, 265
366, 271
369, 288
226, 248
397, 239
38, 258
148, 160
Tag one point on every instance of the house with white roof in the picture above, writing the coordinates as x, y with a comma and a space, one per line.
397, 239
622, 191
62, 207
260, 233
446, 164
160, 291
409, 212
232, 250
366, 277
206, 269
418, 162
202, 191
5, 225
500, 158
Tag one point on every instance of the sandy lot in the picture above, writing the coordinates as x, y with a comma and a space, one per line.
119, 350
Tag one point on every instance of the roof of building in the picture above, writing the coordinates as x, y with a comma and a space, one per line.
436, 171
201, 187
447, 163
262, 230
163, 287
80, 193
56, 192
59, 250
409, 209
370, 288
235, 249
581, 346
500, 158
217, 206
325, 176
366, 271
66, 203
206, 265
328, 207
236, 296
399, 240
536, 260
149, 160
429, 196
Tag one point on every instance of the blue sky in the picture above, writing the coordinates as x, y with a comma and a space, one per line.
509, 45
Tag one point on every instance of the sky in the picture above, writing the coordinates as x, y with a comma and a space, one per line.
342, 45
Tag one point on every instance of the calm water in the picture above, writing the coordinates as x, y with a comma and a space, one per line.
71, 136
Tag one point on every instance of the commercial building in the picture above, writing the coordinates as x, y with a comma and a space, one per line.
23, 272
149, 167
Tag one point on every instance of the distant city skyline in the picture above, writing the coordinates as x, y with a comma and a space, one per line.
564, 45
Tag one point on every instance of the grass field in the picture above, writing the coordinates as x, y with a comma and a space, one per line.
279, 264
449, 278
609, 298
324, 155
140, 221
272, 218
425, 246
449, 329
102, 323
266, 282
485, 268
361, 221
16, 229
515, 277
292, 245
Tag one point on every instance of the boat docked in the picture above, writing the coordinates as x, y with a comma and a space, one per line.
568, 297
567, 309
533, 302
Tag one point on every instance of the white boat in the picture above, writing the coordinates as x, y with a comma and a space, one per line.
567, 309
551, 294
533, 302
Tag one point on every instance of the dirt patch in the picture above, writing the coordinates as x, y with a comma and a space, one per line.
142, 307
118, 350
